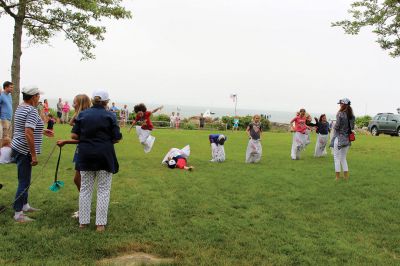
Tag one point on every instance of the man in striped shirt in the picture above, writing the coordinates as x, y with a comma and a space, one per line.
26, 144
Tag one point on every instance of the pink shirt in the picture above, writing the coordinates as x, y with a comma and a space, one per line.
300, 124
65, 108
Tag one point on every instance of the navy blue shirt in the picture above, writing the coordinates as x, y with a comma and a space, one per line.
97, 129
323, 128
213, 138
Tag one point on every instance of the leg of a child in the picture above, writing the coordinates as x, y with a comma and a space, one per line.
77, 180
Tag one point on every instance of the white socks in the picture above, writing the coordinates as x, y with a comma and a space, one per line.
26, 207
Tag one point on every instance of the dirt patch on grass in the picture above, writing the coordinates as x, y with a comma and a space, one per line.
135, 258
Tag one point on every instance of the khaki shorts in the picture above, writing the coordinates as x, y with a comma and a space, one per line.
5, 130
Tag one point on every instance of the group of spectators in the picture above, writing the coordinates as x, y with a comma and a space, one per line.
122, 114
174, 120
95, 130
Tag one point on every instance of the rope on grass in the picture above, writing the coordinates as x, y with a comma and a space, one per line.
32, 180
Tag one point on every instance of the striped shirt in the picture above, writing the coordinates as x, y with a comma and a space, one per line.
26, 116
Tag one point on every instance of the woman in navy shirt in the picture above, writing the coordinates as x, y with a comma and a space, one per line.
97, 130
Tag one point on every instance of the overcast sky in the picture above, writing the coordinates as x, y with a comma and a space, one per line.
276, 55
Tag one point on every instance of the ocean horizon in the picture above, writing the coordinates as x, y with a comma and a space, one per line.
189, 111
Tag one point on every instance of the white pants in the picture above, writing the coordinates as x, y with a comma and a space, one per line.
254, 151
145, 138
298, 144
320, 145
339, 156
104, 180
217, 152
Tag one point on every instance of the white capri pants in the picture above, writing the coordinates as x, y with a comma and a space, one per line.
104, 180
339, 156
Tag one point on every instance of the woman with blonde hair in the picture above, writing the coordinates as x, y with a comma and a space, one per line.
81, 102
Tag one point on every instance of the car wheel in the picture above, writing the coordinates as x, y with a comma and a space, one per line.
374, 131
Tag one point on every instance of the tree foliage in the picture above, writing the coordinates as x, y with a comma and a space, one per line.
78, 20
382, 15
363, 121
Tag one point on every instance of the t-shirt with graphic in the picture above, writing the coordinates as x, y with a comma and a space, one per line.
145, 119
255, 130
300, 124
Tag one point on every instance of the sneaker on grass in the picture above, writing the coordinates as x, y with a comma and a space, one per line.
28, 208
23, 219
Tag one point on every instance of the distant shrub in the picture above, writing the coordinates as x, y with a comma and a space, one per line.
161, 117
189, 126
363, 121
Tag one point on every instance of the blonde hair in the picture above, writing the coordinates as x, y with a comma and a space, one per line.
5, 142
255, 116
82, 103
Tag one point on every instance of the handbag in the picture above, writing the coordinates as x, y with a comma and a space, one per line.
352, 136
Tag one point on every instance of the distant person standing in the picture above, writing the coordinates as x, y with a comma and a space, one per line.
59, 110
172, 120
177, 120
114, 109
235, 123
65, 112
125, 116
39, 107
45, 110
341, 143
202, 121
6, 110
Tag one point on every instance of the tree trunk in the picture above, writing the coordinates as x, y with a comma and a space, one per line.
17, 53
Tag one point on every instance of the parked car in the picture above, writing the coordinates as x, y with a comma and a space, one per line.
386, 123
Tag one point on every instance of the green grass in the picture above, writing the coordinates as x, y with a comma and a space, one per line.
277, 212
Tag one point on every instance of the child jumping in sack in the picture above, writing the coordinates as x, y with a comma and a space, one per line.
254, 148
217, 147
144, 131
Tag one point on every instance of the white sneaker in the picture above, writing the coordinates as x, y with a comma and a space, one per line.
23, 219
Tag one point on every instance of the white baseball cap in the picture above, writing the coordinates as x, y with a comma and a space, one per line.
102, 94
344, 101
31, 90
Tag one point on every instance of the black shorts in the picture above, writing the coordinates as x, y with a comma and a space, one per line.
59, 114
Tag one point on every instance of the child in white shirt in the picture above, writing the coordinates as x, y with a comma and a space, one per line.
5, 151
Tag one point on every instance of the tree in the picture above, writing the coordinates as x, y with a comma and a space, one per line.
78, 19
382, 15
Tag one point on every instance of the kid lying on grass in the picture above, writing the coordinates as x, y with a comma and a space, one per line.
176, 158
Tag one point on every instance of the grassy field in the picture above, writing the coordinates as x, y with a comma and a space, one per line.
277, 212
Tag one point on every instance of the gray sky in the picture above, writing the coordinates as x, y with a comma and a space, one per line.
276, 55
